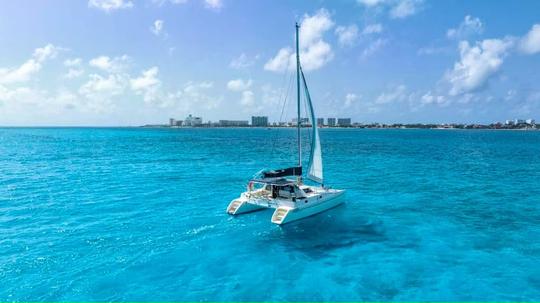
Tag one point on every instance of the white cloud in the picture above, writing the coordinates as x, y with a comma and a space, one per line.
430, 98
49, 51
313, 28
396, 94
405, 8
373, 47
29, 68
371, 3
75, 69
468, 27
195, 93
243, 61
315, 52
74, 73
477, 64
398, 9
239, 85
22, 73
347, 35
161, 2
147, 84
73, 62
157, 27
372, 29
530, 43
213, 4
147, 79
110, 65
282, 61
20, 95
110, 5
99, 86
350, 98
248, 98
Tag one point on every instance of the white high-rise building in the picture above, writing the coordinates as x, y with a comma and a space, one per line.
192, 121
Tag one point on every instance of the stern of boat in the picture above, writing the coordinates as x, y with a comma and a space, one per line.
284, 214
241, 206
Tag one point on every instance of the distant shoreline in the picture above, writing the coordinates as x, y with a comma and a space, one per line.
270, 127
330, 127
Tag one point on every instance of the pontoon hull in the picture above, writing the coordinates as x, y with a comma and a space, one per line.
241, 206
283, 215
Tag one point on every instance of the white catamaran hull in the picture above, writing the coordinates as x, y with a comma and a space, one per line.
284, 214
287, 211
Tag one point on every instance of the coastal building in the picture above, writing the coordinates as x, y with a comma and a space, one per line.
331, 122
530, 121
233, 123
192, 121
519, 121
344, 122
509, 122
303, 121
179, 123
172, 122
261, 121
320, 121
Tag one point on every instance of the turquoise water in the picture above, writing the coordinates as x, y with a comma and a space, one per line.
139, 214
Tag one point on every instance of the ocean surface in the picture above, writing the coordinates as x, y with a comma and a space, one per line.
129, 214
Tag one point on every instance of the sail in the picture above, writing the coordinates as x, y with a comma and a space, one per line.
315, 169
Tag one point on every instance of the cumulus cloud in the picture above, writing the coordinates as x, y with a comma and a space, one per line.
107, 64
247, 98
397, 9
347, 35
73, 62
147, 84
74, 66
350, 98
74, 73
213, 4
372, 29
477, 64
431, 98
399, 93
282, 61
243, 61
405, 8
315, 51
530, 43
99, 86
147, 79
373, 47
110, 5
29, 68
239, 85
157, 27
371, 3
468, 27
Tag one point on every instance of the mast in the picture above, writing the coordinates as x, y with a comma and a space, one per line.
298, 96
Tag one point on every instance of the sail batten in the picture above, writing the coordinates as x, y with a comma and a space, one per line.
315, 168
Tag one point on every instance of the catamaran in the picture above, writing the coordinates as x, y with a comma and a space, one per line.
290, 197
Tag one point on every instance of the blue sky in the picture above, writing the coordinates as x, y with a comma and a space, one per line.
127, 62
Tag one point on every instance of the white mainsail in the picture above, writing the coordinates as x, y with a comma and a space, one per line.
315, 168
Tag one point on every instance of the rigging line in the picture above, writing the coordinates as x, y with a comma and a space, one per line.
286, 90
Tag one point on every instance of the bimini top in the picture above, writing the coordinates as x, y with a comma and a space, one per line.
274, 181
290, 171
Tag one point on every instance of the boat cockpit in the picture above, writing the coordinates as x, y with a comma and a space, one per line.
276, 189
